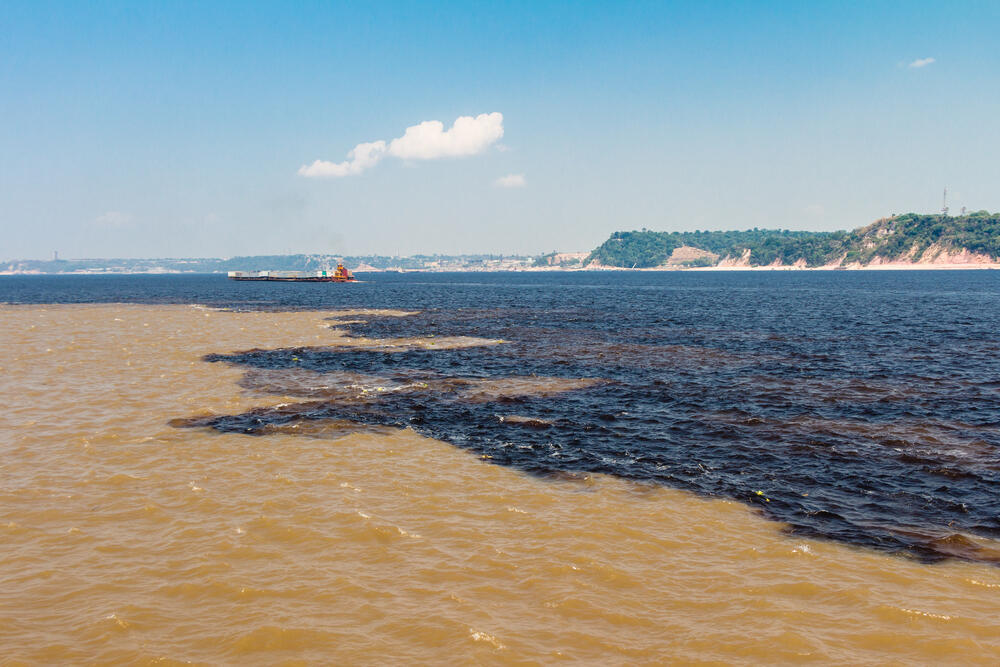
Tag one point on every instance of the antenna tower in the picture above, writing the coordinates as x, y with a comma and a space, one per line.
944, 204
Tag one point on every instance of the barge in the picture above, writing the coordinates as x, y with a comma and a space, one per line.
341, 275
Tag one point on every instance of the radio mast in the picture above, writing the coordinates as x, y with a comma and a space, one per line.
944, 204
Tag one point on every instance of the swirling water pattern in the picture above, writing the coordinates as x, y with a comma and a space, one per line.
862, 407
307, 526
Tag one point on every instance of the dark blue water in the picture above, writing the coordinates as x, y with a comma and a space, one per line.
857, 406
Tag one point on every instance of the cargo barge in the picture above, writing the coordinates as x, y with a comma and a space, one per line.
341, 275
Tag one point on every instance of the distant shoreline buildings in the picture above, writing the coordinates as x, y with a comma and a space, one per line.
911, 240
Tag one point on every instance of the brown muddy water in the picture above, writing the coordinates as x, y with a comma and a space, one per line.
127, 539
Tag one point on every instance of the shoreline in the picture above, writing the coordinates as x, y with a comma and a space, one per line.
658, 269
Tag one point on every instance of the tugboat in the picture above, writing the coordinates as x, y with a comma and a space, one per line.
341, 275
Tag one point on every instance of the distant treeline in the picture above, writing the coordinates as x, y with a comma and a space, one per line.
903, 237
899, 237
249, 263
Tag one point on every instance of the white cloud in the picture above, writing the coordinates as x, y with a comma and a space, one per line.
113, 219
510, 181
361, 157
467, 136
427, 141
921, 62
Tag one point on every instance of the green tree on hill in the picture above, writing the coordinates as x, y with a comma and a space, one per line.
895, 238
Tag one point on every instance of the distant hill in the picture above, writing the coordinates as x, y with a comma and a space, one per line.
910, 238
903, 239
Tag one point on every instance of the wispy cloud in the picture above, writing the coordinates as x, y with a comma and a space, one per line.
510, 181
428, 140
921, 62
113, 219
360, 158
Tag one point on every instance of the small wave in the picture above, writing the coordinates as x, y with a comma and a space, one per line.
925, 614
477, 636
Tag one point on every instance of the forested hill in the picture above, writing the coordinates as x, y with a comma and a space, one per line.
904, 238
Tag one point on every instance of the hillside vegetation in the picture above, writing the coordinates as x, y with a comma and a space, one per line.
909, 237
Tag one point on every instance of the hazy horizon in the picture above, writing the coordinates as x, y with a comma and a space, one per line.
401, 256
192, 131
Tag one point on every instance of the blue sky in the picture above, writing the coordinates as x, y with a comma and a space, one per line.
175, 129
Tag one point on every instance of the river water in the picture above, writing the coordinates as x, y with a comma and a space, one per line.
620, 467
